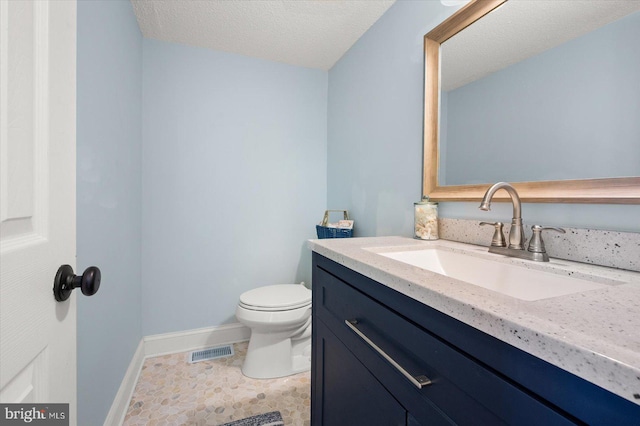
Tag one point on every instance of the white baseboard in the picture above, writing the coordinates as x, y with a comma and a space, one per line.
121, 401
168, 343
182, 341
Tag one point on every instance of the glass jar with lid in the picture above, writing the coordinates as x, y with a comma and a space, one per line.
425, 220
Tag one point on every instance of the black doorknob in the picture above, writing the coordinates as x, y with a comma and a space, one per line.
66, 281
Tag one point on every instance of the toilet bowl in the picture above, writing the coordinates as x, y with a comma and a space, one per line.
279, 317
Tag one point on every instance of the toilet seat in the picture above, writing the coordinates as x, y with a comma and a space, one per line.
280, 297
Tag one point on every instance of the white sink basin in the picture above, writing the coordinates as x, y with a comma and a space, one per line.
515, 281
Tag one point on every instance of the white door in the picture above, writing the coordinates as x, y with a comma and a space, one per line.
37, 200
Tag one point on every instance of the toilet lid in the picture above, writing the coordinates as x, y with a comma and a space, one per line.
276, 297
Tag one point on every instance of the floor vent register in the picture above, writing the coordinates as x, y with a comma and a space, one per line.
211, 353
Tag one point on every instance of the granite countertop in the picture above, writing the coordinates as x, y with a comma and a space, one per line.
594, 334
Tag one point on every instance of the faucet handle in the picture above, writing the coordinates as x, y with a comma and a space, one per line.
536, 245
498, 239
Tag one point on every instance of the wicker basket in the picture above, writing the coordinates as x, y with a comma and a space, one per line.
324, 231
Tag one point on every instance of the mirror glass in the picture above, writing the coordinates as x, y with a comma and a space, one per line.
542, 91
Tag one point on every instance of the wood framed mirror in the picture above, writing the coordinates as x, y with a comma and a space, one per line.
603, 190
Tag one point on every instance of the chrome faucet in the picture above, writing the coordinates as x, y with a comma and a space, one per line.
516, 234
536, 250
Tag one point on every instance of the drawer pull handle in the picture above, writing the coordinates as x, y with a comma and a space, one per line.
419, 381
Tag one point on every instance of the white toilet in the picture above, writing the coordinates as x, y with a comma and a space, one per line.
279, 317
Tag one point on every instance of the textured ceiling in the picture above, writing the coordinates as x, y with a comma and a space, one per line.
308, 33
520, 29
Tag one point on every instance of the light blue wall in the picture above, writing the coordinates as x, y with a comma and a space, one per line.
375, 135
109, 133
375, 120
234, 180
571, 113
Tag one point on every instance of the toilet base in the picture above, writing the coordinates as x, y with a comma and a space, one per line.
270, 355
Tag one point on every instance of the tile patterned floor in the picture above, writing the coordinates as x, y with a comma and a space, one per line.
170, 391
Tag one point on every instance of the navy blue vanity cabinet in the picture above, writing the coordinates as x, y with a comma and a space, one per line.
371, 342
352, 396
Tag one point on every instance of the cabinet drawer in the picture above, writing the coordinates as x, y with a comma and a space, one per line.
462, 390
350, 394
